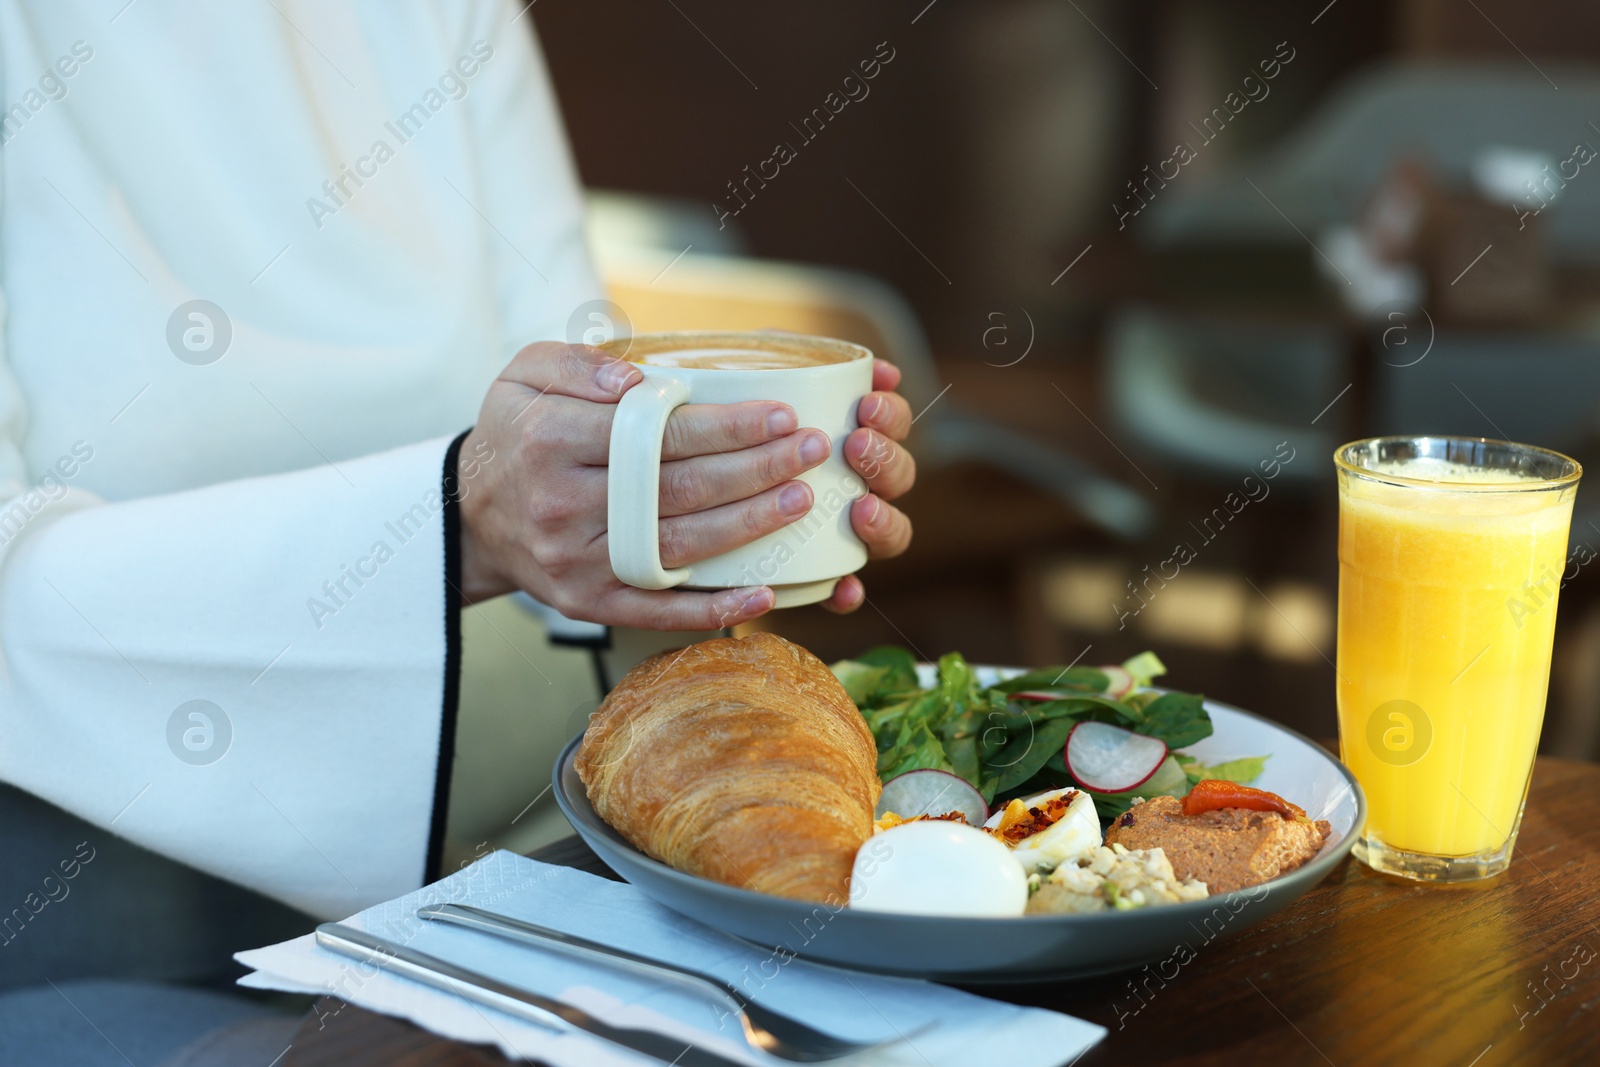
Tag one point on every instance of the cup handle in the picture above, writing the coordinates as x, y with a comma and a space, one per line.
633, 483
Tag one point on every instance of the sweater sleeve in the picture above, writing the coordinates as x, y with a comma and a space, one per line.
248, 677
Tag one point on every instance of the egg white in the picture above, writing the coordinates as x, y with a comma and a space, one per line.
937, 868
1075, 834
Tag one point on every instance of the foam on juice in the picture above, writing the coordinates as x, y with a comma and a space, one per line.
1433, 469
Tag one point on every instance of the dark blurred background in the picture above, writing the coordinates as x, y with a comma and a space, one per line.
1137, 255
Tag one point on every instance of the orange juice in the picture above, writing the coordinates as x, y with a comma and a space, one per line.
1448, 576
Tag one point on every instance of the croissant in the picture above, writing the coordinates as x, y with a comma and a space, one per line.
741, 760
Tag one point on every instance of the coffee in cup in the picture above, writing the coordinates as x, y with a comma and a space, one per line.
776, 353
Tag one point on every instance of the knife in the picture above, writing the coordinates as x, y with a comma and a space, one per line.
504, 926
548, 1013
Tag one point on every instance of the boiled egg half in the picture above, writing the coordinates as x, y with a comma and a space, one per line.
937, 868
1074, 834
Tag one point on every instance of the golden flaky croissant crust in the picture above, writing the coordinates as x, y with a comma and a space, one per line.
738, 759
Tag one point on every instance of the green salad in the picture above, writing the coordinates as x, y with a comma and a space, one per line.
1009, 740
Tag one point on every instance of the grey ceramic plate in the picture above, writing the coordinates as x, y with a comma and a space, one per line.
1027, 949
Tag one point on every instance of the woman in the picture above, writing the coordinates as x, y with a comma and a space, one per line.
262, 266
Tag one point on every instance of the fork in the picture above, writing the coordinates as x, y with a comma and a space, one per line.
765, 1029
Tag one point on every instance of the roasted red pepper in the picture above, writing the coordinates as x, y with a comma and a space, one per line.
1213, 793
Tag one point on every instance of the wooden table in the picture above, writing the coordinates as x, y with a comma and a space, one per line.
1364, 969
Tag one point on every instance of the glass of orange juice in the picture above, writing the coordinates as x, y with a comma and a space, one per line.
1451, 553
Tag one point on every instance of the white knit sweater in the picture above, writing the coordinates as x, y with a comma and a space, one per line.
243, 508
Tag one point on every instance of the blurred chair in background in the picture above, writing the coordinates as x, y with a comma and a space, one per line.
1205, 392
1458, 120
1214, 398
1448, 114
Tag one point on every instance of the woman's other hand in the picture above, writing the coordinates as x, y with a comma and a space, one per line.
876, 453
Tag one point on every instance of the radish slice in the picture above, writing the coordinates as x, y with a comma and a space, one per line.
1045, 694
1109, 759
931, 792
1168, 781
1121, 682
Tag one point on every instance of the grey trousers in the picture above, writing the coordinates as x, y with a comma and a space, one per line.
106, 948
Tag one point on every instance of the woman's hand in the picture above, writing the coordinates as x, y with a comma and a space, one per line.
532, 477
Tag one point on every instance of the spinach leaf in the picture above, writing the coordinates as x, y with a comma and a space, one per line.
999, 723
885, 722
1027, 751
1116, 712
1179, 719
917, 747
963, 755
861, 680
900, 664
1086, 679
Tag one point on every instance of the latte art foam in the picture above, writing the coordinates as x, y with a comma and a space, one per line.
738, 358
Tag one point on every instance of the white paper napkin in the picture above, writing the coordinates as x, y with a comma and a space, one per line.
967, 1029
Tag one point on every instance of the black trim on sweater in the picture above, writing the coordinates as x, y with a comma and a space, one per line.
450, 483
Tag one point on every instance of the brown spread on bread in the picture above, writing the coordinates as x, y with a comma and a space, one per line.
1226, 848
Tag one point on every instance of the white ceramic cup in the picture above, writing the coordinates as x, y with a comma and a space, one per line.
803, 561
